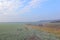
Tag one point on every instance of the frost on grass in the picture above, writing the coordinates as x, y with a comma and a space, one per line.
24, 33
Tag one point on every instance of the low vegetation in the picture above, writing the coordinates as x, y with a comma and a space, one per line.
23, 32
49, 27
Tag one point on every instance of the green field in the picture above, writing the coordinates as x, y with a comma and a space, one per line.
18, 31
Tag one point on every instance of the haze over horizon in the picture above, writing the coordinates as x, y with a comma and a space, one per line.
29, 10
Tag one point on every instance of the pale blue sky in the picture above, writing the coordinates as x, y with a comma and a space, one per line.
29, 10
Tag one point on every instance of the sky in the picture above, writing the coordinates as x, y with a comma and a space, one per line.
29, 10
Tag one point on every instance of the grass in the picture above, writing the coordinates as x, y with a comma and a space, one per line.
50, 28
18, 31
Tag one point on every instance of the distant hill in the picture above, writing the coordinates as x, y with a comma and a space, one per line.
48, 21
55, 21
39, 22
44, 21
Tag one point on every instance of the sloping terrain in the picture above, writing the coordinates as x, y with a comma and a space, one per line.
18, 31
50, 28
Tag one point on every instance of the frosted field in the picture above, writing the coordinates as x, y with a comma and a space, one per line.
18, 31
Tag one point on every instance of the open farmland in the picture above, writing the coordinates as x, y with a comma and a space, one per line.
53, 28
18, 31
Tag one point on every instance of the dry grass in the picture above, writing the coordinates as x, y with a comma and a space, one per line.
50, 28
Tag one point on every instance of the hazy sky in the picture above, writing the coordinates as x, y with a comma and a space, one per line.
29, 10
